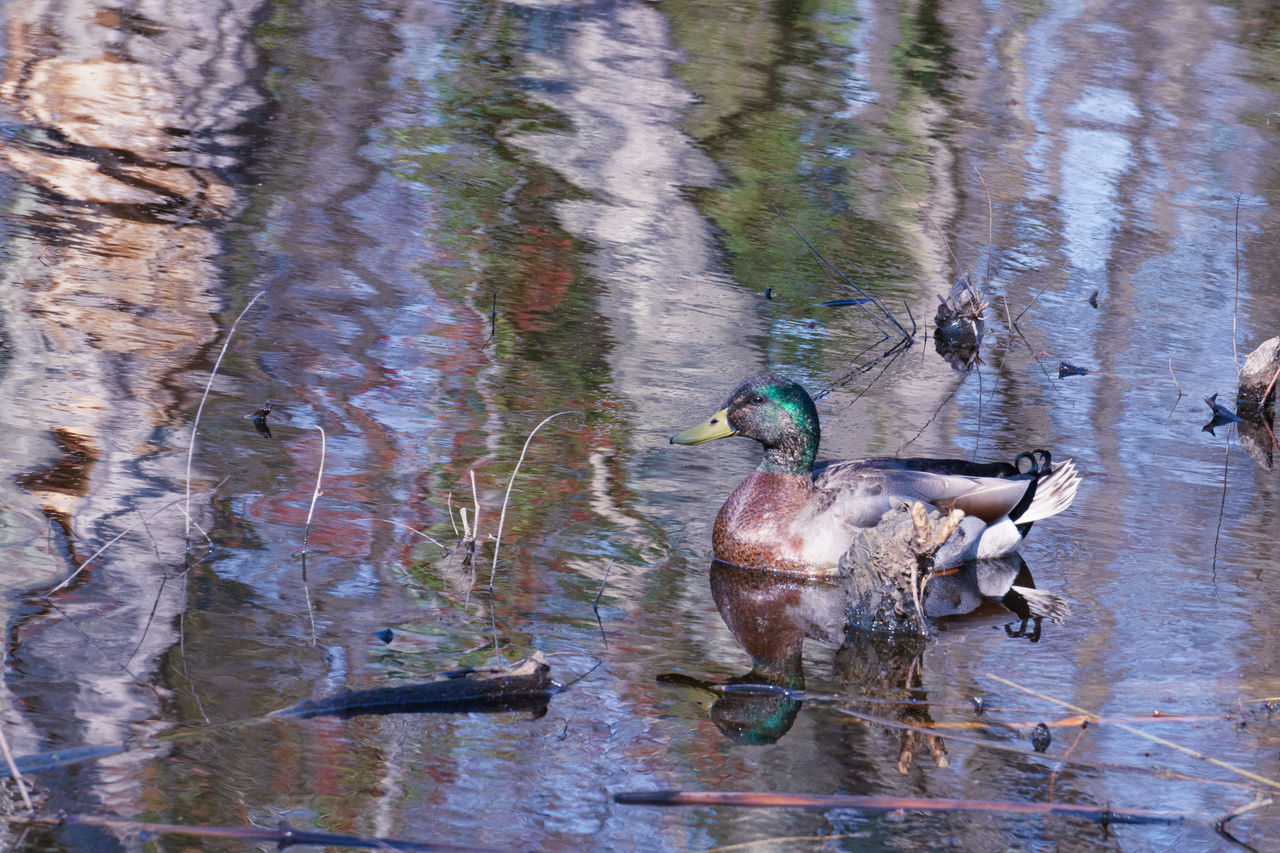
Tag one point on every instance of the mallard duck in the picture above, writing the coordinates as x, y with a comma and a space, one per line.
795, 516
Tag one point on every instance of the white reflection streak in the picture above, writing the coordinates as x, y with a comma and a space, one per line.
1092, 163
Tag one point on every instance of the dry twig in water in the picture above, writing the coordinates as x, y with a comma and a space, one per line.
831, 270
1000, 746
1235, 308
493, 572
195, 427
111, 542
412, 529
1248, 774
13, 769
306, 534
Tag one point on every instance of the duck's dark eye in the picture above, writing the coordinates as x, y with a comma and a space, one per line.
757, 399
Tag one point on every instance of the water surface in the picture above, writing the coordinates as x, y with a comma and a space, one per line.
463, 218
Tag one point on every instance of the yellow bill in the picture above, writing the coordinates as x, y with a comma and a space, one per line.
716, 427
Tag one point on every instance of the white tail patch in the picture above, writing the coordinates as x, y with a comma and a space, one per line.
1054, 493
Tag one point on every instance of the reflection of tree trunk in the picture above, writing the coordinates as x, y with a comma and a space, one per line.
110, 293
656, 258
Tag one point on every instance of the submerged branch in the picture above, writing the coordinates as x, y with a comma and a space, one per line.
112, 541
282, 836
750, 799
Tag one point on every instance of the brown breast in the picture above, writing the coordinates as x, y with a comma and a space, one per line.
756, 529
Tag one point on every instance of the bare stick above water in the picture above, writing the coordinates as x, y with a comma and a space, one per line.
1178, 387
13, 769
493, 572
315, 495
306, 534
195, 427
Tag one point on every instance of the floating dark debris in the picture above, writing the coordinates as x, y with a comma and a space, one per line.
525, 687
959, 325
1093, 299
260, 420
840, 303
1221, 415
1040, 737
1066, 369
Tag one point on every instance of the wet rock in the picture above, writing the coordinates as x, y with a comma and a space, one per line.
1256, 402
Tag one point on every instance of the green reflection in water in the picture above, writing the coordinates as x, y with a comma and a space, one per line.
546, 349
776, 114
923, 53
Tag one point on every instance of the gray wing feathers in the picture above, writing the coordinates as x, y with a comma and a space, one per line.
988, 498
860, 491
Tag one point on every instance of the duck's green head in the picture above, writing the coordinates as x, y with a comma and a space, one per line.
774, 411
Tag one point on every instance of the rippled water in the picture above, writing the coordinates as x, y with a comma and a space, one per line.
463, 218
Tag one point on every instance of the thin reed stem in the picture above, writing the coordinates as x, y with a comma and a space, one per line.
306, 534
17, 776
493, 572
195, 427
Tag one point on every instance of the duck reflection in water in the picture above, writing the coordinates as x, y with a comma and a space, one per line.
772, 615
